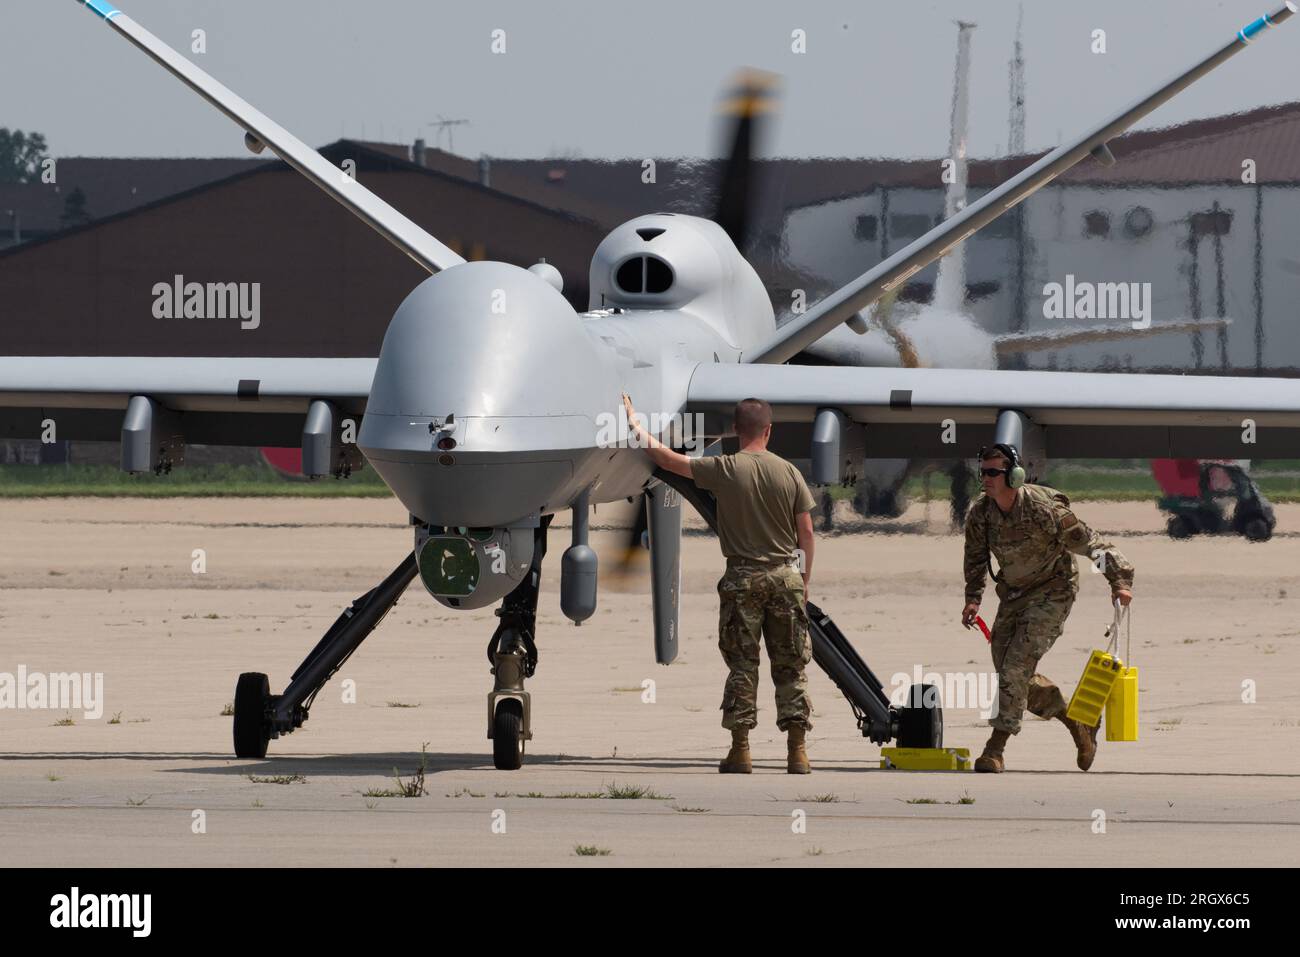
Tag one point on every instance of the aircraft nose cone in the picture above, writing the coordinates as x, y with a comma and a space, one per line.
502, 352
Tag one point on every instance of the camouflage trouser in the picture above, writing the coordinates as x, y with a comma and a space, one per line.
764, 601
1023, 632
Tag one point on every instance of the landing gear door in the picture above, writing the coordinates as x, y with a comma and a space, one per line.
664, 523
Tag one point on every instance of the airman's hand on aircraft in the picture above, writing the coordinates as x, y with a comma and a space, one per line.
631, 413
1123, 596
969, 612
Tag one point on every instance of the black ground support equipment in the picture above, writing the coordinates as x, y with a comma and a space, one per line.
1202, 514
260, 715
919, 724
866, 696
513, 654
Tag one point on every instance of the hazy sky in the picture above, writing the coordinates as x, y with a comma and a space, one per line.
615, 78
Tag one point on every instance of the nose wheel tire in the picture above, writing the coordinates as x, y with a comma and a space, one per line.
920, 724
252, 732
508, 735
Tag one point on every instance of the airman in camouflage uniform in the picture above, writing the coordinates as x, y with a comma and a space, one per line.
763, 519
766, 534
759, 601
1034, 536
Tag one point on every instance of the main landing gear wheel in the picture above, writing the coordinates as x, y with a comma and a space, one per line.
252, 732
920, 724
508, 735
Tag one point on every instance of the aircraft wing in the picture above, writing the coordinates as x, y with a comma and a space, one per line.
845, 302
261, 131
950, 413
210, 400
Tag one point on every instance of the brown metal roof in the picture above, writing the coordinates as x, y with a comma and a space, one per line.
501, 178
1270, 135
1205, 151
608, 192
111, 186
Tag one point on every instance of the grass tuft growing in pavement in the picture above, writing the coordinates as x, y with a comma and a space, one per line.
413, 788
615, 792
278, 779
965, 798
634, 792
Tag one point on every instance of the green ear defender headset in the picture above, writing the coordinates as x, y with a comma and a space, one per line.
1015, 471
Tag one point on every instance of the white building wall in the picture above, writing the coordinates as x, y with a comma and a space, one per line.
821, 241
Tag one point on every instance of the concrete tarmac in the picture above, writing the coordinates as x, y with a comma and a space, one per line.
109, 586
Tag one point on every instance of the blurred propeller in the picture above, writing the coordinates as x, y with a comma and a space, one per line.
742, 111
752, 97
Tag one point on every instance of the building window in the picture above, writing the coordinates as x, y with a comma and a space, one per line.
1004, 227
909, 225
1138, 221
864, 229
1213, 223
1096, 223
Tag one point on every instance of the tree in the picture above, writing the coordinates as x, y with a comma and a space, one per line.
21, 155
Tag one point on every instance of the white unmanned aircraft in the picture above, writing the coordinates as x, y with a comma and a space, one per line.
486, 411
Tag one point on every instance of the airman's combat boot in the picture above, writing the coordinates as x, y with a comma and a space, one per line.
797, 757
1085, 739
991, 759
737, 760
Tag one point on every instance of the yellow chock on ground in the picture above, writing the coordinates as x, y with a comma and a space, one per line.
1094, 687
926, 759
1122, 707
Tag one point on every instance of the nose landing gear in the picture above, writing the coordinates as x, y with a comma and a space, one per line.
509, 712
513, 654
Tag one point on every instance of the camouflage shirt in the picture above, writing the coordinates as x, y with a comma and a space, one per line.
1033, 545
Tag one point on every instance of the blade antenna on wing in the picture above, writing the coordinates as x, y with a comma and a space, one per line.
840, 305
260, 129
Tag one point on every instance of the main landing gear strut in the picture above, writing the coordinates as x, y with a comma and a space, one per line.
261, 716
